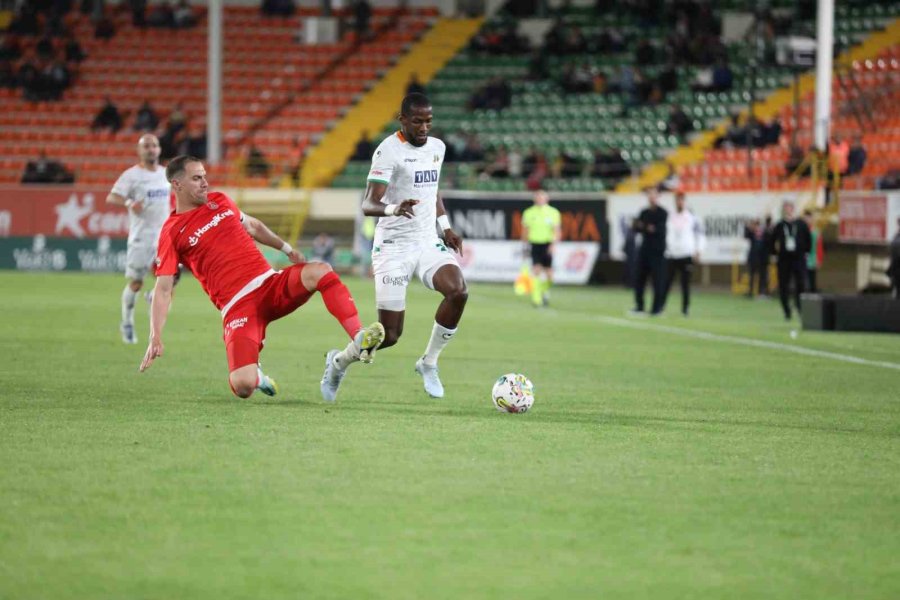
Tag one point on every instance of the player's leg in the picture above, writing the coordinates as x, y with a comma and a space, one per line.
687, 266
538, 276
137, 263
548, 279
784, 282
658, 275
643, 271
446, 278
244, 331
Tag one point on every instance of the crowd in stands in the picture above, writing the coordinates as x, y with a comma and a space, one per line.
46, 170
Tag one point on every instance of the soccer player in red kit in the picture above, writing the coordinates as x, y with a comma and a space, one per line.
209, 234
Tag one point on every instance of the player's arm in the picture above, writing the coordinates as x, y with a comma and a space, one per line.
373, 205
262, 234
451, 238
159, 312
119, 200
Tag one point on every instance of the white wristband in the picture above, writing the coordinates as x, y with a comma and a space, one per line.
444, 222
286, 248
390, 210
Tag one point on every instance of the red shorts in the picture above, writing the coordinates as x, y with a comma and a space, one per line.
245, 324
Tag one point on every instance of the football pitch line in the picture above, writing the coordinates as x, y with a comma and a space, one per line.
644, 325
743, 341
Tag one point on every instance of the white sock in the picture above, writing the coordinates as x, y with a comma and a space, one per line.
440, 337
347, 356
128, 297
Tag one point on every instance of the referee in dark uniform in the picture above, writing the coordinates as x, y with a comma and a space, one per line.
651, 224
791, 241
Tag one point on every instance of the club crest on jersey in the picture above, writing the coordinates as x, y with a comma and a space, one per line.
430, 176
212, 205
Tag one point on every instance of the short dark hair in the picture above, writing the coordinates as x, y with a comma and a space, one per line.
414, 100
177, 165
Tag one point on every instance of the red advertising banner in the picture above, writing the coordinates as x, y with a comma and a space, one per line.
863, 218
60, 211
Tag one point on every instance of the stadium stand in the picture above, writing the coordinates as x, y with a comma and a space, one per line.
589, 140
274, 100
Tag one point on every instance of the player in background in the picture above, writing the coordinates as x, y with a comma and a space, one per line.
685, 240
144, 191
542, 229
209, 234
402, 189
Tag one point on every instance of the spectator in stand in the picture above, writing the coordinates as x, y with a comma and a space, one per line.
362, 16
514, 160
703, 80
644, 54
364, 148
856, 158
147, 120
44, 48
414, 87
177, 120
566, 165
256, 164
499, 165
162, 16
184, 16
7, 75
25, 21
538, 67
536, 169
73, 50
44, 170
195, 144
473, 151
816, 252
575, 42
889, 181
138, 13
104, 28
668, 78
722, 77
495, 95
323, 248
108, 117
757, 257
577, 79
839, 154
679, 123
277, 8
610, 164
9, 47
58, 79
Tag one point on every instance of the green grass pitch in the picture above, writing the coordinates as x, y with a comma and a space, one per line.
653, 464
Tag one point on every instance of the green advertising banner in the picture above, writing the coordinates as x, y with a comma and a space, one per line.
41, 253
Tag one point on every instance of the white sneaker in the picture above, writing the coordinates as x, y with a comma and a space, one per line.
266, 384
127, 331
430, 378
331, 379
368, 340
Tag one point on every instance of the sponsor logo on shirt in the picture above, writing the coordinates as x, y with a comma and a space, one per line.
377, 173
158, 194
236, 323
410, 160
401, 280
430, 176
214, 222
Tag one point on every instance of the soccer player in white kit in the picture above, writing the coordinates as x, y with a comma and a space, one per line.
144, 190
402, 189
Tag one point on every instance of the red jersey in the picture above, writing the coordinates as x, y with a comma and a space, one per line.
211, 241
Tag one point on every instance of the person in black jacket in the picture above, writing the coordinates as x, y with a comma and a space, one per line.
651, 224
757, 256
791, 241
894, 266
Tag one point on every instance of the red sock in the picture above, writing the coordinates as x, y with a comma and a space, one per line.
339, 302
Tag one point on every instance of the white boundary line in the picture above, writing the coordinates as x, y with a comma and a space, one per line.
703, 335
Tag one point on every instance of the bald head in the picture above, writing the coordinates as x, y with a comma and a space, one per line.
541, 198
148, 150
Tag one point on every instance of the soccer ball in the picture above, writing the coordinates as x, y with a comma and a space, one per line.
513, 393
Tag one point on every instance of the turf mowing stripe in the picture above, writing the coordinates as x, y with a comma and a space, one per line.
702, 335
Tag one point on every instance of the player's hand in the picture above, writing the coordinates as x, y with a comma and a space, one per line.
651, 228
137, 207
154, 350
405, 209
296, 256
453, 240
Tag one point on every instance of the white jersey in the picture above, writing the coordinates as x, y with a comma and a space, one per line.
152, 189
684, 235
411, 173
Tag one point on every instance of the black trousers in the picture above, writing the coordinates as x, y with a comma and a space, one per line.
759, 273
811, 280
791, 270
650, 265
684, 267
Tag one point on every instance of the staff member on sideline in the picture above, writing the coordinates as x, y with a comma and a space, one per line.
651, 224
791, 242
541, 228
685, 241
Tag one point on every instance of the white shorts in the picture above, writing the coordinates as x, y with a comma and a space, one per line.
394, 270
139, 260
